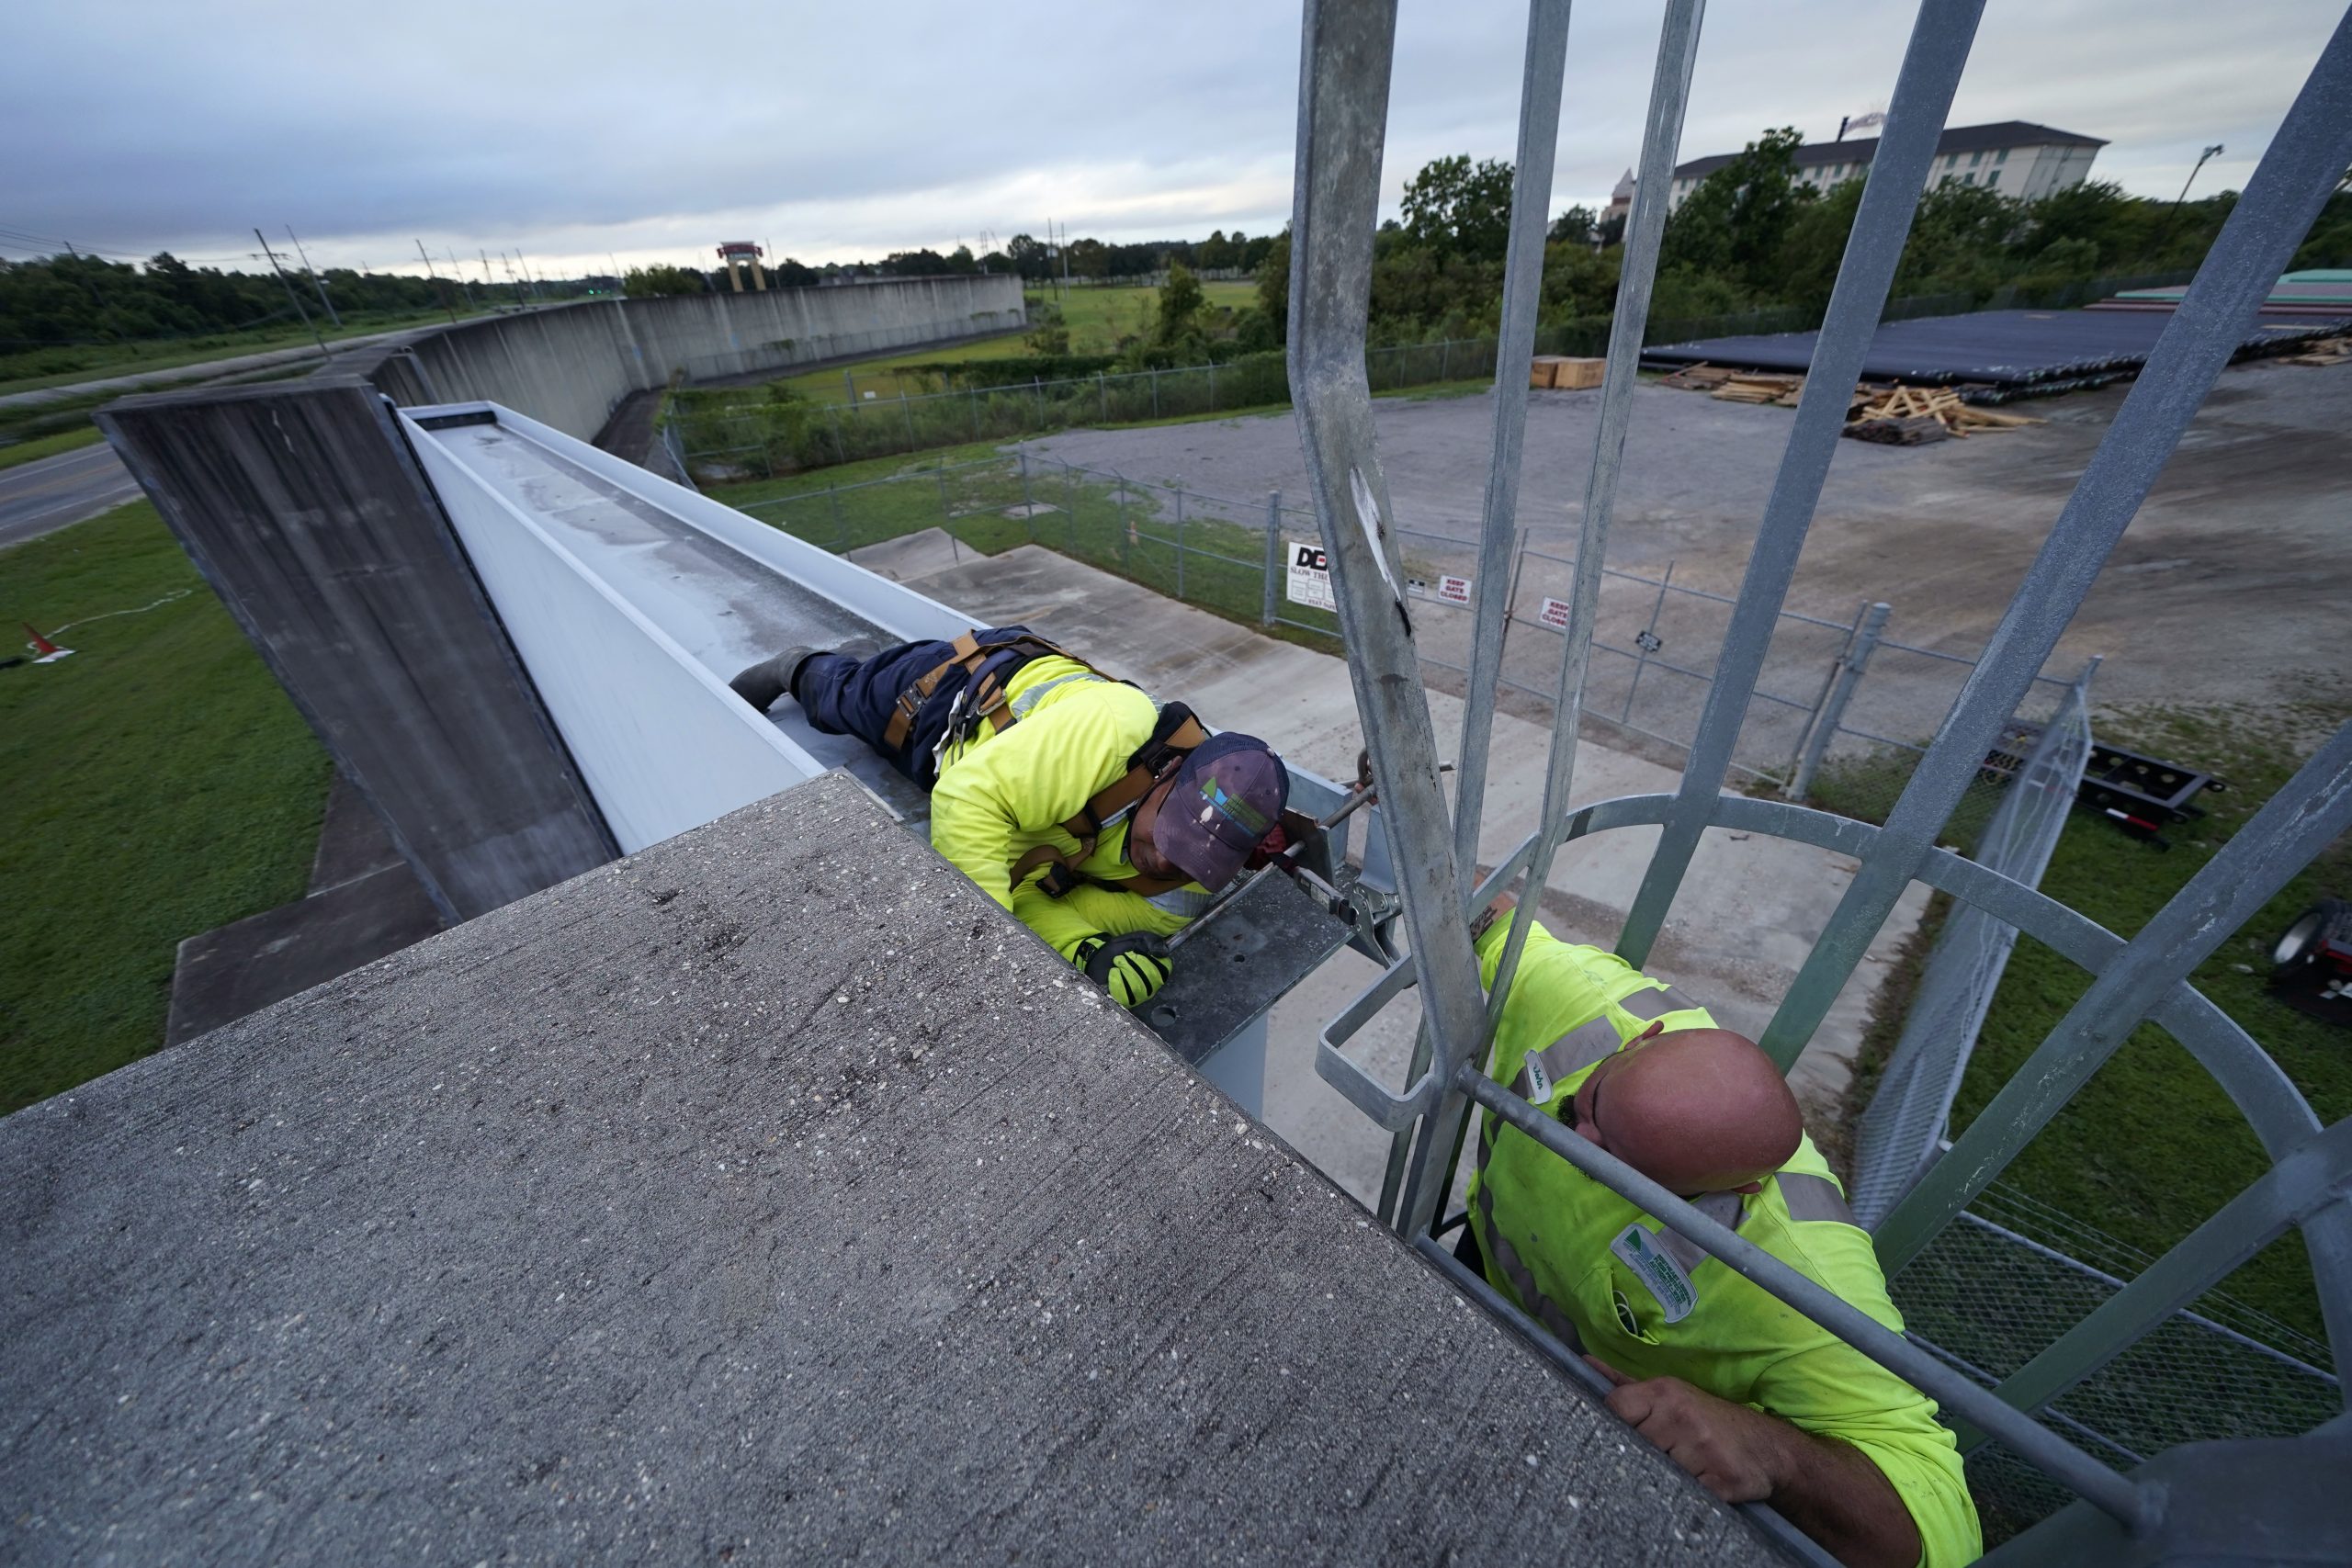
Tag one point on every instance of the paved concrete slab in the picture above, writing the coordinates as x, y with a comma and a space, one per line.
910, 556
241, 968
1744, 921
658, 1216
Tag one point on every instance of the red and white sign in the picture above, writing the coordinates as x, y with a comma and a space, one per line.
1453, 590
1555, 614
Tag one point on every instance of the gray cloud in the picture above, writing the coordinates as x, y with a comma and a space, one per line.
574, 130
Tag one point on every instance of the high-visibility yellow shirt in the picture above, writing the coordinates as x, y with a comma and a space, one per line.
1006, 791
1566, 1249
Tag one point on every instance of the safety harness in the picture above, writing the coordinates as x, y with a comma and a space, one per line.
1157, 759
982, 673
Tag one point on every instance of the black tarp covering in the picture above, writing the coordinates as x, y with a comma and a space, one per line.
2016, 350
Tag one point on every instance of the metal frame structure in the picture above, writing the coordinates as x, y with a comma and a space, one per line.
1346, 61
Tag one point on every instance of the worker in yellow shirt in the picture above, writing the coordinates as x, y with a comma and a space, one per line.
1754, 1399
1101, 818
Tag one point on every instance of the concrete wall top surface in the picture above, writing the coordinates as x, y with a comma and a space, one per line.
768, 1195
569, 366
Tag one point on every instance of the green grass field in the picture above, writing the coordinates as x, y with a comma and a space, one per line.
977, 494
2152, 1146
41, 447
155, 785
1097, 319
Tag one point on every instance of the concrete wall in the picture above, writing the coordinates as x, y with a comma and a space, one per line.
571, 365
303, 507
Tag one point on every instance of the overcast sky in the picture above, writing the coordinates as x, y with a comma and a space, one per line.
649, 132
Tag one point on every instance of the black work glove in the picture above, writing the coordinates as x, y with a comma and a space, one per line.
1130, 967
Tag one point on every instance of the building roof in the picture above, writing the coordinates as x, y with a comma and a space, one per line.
1955, 138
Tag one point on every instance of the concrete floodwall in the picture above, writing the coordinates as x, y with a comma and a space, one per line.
570, 366
304, 508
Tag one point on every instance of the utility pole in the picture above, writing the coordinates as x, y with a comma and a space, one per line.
436, 283
457, 271
525, 264
620, 284
316, 281
293, 298
508, 263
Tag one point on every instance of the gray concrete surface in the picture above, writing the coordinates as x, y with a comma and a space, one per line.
363, 904
306, 512
657, 1216
57, 493
2229, 588
1743, 923
203, 370
571, 365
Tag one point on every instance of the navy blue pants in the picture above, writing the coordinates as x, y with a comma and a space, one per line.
847, 696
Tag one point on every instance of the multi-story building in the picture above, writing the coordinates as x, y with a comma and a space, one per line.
2015, 157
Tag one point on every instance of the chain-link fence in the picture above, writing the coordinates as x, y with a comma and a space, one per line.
1259, 561
2001, 1284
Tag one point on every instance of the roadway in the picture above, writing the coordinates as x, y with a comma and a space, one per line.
57, 493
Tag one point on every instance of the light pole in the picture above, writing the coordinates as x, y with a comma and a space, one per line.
2209, 153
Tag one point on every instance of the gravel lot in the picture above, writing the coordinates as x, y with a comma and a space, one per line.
2232, 585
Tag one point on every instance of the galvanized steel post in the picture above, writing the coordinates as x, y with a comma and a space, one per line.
1273, 558
1344, 112
1923, 90
1645, 231
1850, 666
1539, 132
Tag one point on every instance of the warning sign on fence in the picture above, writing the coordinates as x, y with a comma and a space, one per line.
1310, 576
1555, 614
1445, 590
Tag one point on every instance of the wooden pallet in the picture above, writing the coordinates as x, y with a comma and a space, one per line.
1941, 404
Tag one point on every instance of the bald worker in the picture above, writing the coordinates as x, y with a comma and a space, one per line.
1755, 1401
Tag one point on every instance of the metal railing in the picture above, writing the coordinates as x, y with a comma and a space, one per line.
1904, 1127
1349, 51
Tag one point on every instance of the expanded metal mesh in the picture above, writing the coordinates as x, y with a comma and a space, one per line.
1909, 1112
1999, 1286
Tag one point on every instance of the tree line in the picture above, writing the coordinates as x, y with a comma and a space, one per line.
63, 299
1753, 236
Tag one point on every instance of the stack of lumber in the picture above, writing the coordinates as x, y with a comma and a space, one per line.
1561, 373
1700, 377
1940, 404
1761, 387
2327, 350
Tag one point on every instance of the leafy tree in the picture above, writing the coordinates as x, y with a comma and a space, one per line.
1735, 223
1217, 251
660, 281
1612, 230
1273, 285
1574, 227
1455, 207
1030, 256
1181, 302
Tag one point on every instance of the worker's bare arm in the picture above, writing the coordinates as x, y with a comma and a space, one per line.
1828, 1489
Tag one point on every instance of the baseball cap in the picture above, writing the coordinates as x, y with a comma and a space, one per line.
1228, 795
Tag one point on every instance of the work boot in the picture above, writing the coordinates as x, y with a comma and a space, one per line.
763, 682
